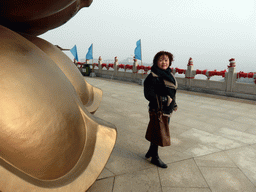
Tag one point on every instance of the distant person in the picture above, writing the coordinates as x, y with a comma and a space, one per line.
160, 90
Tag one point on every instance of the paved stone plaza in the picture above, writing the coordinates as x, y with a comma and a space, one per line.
213, 143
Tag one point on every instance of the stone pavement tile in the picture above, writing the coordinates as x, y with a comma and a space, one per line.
132, 143
251, 113
224, 123
234, 105
144, 180
184, 103
237, 135
199, 150
168, 155
210, 101
123, 122
192, 112
179, 116
139, 129
177, 128
181, 144
238, 111
253, 146
105, 174
172, 189
216, 114
182, 174
212, 108
220, 159
205, 138
245, 159
122, 160
227, 179
194, 123
251, 130
122, 107
246, 120
105, 185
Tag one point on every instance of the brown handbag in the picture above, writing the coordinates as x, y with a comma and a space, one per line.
158, 127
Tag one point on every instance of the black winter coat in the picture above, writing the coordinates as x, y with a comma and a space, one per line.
155, 86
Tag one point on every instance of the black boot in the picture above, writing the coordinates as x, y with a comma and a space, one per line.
152, 151
158, 162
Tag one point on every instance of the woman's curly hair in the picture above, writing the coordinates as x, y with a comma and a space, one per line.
159, 54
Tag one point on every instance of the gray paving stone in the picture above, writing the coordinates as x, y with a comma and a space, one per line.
237, 135
168, 155
214, 133
224, 123
122, 160
200, 149
246, 120
105, 185
145, 180
177, 128
182, 174
245, 159
172, 189
105, 174
227, 179
197, 124
220, 159
205, 138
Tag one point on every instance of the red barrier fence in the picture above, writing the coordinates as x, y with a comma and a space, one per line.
177, 70
95, 64
128, 67
201, 72
242, 74
218, 73
104, 65
110, 65
121, 66
180, 71
139, 67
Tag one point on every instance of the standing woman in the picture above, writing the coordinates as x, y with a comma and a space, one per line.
160, 90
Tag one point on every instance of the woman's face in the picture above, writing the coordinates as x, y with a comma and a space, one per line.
163, 62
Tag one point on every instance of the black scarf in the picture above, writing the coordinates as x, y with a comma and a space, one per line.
165, 74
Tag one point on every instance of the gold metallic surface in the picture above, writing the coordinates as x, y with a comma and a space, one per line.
38, 16
89, 95
48, 137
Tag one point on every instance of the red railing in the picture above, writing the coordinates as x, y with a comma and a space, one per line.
104, 65
180, 71
121, 66
201, 72
211, 73
217, 73
110, 65
95, 64
128, 67
242, 74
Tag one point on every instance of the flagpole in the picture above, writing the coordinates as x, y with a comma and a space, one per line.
92, 53
140, 52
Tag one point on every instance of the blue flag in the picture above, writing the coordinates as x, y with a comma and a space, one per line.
74, 52
137, 50
89, 53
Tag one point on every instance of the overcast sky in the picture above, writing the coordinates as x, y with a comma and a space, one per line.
211, 32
